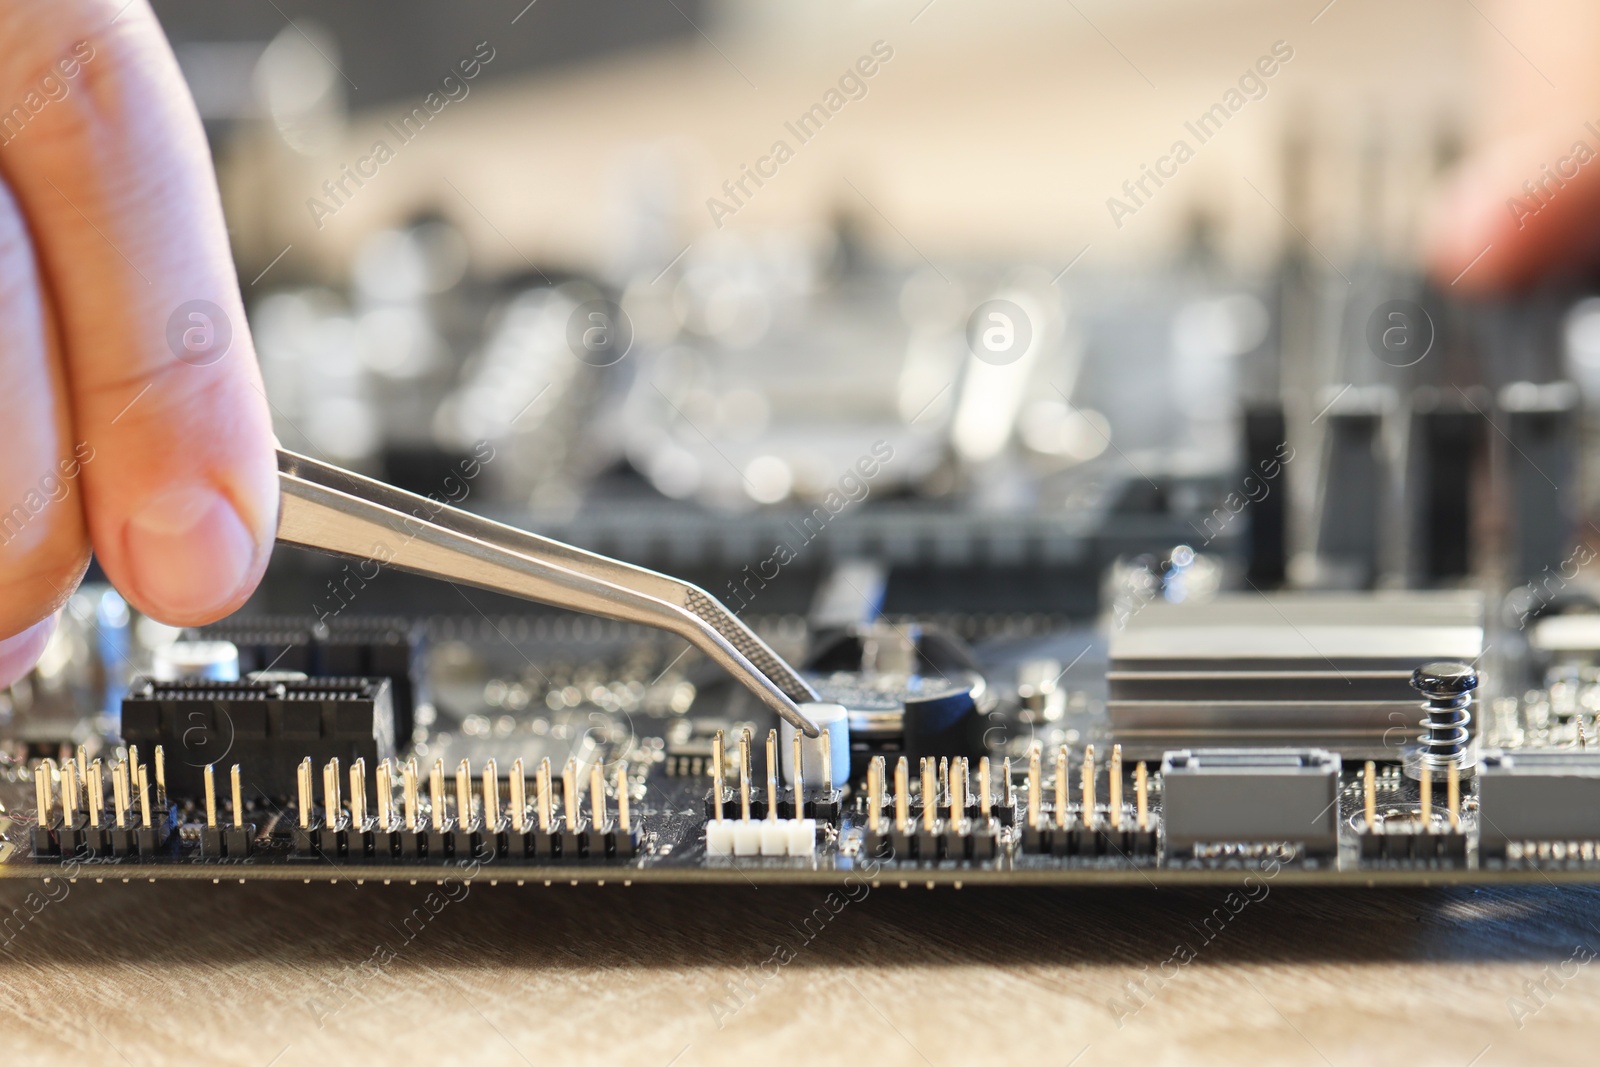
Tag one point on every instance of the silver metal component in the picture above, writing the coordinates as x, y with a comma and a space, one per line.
624, 820
1446, 737
1114, 785
211, 797
1063, 811
1229, 795
597, 797
986, 788
385, 778
1324, 670
464, 795
772, 775
119, 793
902, 796
716, 772
875, 794
44, 791
569, 795
958, 794
827, 762
436, 796
302, 779
800, 776
409, 778
1037, 691
330, 510
519, 797
144, 796
332, 798
545, 788
1543, 795
97, 792
69, 792
358, 794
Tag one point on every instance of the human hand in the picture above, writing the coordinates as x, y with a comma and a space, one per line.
1525, 204
110, 224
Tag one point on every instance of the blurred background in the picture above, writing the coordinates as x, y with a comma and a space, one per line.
662, 274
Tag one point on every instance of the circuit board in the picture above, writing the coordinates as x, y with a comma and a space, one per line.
1181, 744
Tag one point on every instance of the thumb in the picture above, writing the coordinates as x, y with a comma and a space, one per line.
18, 654
1523, 210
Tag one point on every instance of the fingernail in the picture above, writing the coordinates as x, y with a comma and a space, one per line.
18, 654
190, 553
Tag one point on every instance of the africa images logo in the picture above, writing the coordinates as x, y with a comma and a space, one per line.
199, 332
999, 332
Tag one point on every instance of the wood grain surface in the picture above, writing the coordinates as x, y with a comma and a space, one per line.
293, 974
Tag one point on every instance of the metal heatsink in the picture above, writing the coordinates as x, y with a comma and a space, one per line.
1328, 669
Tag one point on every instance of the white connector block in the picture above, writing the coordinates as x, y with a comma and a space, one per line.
774, 837
763, 837
802, 836
719, 837
746, 838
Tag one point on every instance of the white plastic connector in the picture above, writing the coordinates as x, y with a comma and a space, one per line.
746, 838
719, 837
802, 836
774, 837
762, 837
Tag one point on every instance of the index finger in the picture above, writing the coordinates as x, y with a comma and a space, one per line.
114, 176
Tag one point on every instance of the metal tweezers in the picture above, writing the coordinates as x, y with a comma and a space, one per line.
334, 511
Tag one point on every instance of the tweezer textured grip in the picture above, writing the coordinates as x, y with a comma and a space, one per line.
753, 649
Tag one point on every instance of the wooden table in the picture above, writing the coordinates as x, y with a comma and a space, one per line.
320, 974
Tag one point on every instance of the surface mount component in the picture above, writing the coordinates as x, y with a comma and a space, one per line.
1326, 669
1226, 796
1537, 796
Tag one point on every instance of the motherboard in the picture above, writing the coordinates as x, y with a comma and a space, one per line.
1344, 738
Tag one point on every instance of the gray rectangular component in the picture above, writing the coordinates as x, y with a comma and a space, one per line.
1537, 796
1250, 795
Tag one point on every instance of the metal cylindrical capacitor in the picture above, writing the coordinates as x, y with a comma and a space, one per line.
832, 720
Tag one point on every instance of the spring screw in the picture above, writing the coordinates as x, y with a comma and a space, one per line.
1447, 690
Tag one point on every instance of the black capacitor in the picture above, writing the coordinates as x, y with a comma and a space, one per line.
941, 716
